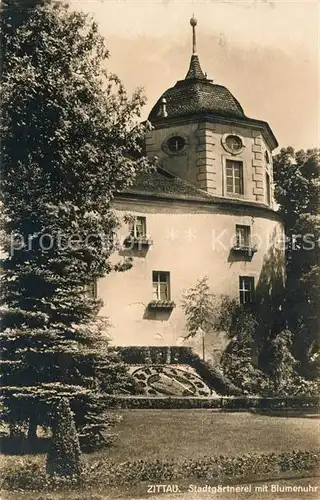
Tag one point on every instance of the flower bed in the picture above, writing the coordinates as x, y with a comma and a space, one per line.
30, 475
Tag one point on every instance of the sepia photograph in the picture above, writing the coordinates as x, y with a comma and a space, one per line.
160, 249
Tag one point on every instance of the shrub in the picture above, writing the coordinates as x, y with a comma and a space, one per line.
236, 363
64, 455
212, 376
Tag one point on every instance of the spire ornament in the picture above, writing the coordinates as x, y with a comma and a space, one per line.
195, 72
194, 23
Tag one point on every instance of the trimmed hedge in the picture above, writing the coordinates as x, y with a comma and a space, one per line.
64, 456
223, 403
104, 473
213, 377
140, 355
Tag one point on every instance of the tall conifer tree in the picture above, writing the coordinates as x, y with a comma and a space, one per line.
69, 141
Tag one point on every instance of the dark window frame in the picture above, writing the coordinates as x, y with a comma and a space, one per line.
244, 239
180, 143
246, 289
160, 278
237, 181
268, 189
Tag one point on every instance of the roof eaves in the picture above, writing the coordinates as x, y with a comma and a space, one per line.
223, 118
211, 200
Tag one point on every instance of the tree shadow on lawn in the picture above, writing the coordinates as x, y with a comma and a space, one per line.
23, 446
288, 414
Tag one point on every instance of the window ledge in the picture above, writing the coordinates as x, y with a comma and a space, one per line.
245, 249
161, 304
135, 241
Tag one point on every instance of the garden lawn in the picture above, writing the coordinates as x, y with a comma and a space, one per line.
153, 434
179, 434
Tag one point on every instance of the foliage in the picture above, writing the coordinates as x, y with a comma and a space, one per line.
296, 176
69, 142
64, 457
276, 370
214, 378
199, 306
207, 312
298, 193
240, 324
237, 365
217, 469
236, 319
282, 364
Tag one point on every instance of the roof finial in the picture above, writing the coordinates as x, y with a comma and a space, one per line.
193, 23
163, 108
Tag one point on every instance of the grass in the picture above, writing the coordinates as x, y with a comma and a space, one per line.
179, 434
176, 434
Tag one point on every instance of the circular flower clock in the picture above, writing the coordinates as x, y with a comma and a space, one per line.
170, 381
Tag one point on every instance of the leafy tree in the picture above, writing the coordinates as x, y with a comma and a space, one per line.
282, 363
297, 193
69, 142
296, 176
199, 305
236, 319
241, 325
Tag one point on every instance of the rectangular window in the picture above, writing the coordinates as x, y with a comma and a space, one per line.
246, 289
234, 177
91, 289
243, 236
268, 192
161, 285
138, 227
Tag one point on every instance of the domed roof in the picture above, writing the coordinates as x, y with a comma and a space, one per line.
196, 94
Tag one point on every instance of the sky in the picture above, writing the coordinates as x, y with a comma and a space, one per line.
266, 53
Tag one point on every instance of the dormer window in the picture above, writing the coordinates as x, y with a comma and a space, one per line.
234, 143
176, 143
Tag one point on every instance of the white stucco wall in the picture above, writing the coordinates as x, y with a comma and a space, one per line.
183, 237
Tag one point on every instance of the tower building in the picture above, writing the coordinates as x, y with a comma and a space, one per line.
208, 210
